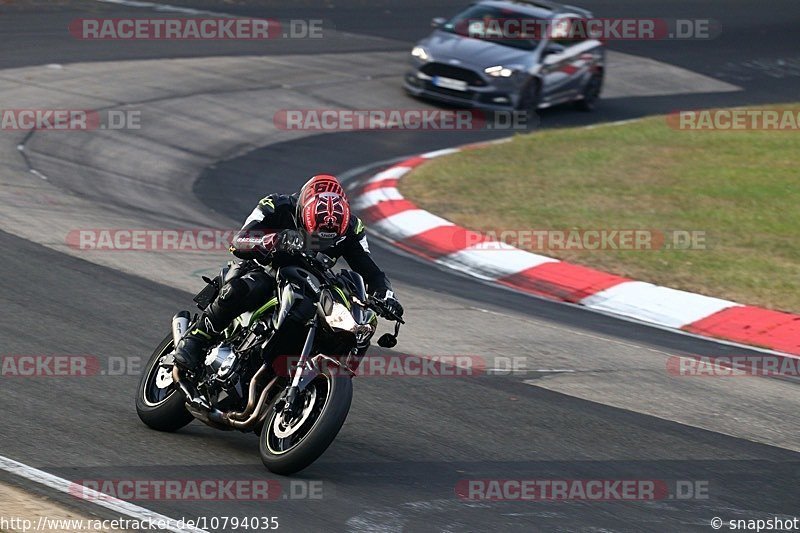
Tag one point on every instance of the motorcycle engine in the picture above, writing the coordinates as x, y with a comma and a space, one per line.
223, 371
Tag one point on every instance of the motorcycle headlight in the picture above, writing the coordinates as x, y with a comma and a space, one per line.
340, 318
420, 53
499, 71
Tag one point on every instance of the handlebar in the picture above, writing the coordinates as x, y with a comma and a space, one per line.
383, 311
324, 263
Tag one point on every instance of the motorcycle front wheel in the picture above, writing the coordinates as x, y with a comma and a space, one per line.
290, 445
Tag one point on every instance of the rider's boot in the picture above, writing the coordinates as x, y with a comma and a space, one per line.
192, 347
236, 297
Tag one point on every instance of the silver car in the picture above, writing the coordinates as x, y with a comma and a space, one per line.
509, 55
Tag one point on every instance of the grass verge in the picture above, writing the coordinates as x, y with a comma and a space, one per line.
740, 188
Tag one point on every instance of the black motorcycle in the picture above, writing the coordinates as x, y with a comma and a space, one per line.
296, 404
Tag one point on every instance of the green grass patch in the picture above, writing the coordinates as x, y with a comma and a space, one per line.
742, 188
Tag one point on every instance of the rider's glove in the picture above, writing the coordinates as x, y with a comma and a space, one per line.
289, 240
389, 301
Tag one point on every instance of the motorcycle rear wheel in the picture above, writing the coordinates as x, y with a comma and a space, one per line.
161, 408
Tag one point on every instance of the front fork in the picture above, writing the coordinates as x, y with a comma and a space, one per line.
291, 400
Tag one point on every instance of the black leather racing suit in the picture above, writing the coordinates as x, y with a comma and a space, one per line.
273, 214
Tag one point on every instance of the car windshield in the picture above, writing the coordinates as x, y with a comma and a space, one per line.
501, 26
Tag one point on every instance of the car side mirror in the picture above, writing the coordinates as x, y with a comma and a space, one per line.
549, 53
438, 22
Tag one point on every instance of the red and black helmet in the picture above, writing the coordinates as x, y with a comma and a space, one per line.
322, 209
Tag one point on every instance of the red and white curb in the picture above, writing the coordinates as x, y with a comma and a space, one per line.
424, 234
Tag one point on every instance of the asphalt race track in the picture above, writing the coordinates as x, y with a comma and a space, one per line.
407, 442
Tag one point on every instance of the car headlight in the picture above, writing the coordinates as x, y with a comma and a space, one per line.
499, 71
420, 53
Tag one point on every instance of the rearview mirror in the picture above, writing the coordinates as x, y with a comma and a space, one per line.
387, 340
438, 22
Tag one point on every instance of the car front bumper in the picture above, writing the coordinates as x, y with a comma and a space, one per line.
485, 97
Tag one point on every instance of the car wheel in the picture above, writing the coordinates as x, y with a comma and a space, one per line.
591, 93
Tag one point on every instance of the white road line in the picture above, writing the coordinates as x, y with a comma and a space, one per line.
615, 123
92, 496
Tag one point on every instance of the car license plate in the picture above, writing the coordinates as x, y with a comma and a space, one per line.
450, 83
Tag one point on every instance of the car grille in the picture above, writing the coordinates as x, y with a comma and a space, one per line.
456, 73
462, 95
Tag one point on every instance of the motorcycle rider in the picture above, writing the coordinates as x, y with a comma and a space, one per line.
317, 218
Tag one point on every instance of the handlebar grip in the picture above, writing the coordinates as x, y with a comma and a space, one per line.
382, 311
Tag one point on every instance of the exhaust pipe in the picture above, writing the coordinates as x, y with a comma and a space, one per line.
180, 323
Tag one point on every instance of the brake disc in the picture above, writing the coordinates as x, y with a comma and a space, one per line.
284, 429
